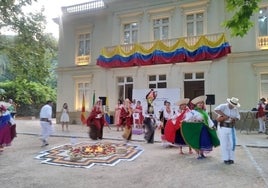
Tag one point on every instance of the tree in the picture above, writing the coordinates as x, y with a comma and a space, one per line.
30, 56
32, 62
240, 23
14, 18
31, 51
28, 96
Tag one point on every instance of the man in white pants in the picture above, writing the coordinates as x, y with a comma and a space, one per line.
46, 122
228, 114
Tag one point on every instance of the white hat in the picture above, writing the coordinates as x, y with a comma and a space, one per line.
5, 104
183, 101
196, 100
233, 101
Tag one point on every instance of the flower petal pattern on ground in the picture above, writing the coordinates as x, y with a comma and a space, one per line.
86, 155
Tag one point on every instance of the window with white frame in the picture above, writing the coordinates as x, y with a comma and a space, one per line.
125, 87
160, 28
83, 48
84, 44
194, 76
263, 28
195, 17
130, 23
263, 21
157, 81
195, 24
83, 88
264, 85
130, 31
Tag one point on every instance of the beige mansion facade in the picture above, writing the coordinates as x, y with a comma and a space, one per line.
107, 48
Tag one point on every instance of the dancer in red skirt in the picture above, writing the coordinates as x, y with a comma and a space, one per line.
95, 121
172, 128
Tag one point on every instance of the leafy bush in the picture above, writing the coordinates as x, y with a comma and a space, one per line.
28, 96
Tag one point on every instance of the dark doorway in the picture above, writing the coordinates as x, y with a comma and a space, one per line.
193, 89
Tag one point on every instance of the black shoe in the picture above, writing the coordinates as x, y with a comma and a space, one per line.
202, 155
45, 144
231, 162
227, 162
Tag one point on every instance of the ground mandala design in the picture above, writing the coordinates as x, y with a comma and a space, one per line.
86, 155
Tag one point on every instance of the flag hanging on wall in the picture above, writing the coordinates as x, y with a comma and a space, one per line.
107, 113
93, 99
83, 112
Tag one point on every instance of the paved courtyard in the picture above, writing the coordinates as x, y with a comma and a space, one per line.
155, 167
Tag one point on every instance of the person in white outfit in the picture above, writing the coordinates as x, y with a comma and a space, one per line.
46, 122
228, 115
64, 119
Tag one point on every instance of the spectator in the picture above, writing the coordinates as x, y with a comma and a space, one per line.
117, 112
261, 115
64, 119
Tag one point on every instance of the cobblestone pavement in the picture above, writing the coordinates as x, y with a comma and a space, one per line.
155, 167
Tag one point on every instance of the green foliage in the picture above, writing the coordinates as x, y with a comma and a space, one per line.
14, 18
27, 95
28, 58
240, 22
30, 62
31, 52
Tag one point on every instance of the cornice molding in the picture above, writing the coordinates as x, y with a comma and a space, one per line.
161, 10
194, 4
126, 15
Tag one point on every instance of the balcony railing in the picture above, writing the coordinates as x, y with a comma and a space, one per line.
263, 42
191, 41
84, 7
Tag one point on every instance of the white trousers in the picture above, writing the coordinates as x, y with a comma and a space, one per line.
227, 138
261, 124
46, 130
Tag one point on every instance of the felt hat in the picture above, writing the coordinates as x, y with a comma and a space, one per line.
233, 101
196, 100
127, 100
183, 101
